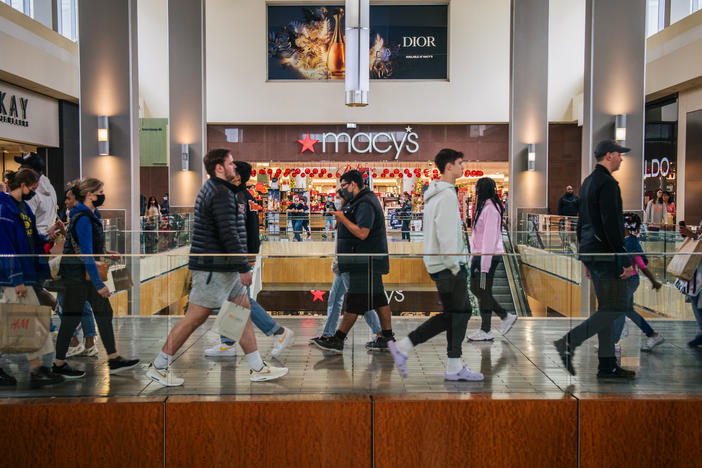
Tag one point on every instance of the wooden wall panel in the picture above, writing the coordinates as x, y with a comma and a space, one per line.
269, 431
165, 291
558, 294
640, 430
94, 432
475, 430
564, 155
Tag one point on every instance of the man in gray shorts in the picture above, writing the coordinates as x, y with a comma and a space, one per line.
219, 230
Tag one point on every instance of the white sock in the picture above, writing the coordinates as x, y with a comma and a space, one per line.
255, 361
454, 365
163, 360
405, 346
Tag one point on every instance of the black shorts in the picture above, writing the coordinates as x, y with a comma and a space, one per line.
366, 292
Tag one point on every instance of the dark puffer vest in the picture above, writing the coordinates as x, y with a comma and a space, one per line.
72, 269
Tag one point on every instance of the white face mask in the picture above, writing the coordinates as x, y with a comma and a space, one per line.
337, 204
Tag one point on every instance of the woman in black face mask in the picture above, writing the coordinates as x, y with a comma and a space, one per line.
86, 238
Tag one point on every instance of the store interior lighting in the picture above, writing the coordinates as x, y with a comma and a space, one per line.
357, 31
620, 128
103, 135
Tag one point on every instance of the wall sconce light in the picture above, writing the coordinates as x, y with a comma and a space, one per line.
103, 135
350, 125
357, 28
620, 128
531, 157
185, 157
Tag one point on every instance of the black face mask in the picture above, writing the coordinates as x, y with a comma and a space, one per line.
346, 194
28, 196
100, 200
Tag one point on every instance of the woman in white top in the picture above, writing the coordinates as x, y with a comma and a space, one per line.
656, 210
152, 208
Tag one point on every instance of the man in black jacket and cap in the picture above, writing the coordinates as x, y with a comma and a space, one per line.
568, 203
601, 247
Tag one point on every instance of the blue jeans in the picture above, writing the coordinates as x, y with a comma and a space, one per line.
632, 286
336, 300
86, 319
259, 317
297, 229
612, 303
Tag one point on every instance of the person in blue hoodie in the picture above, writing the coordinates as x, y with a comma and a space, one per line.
85, 239
22, 268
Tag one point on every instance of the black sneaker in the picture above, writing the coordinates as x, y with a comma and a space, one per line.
6, 380
616, 372
43, 376
566, 354
378, 344
68, 372
332, 344
120, 364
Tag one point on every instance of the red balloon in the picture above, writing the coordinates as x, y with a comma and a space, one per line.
307, 170
365, 175
322, 171
396, 171
400, 176
253, 171
303, 174
385, 171
315, 170
466, 174
270, 171
480, 173
330, 175
375, 175
392, 174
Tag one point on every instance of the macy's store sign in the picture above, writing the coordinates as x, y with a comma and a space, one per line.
362, 142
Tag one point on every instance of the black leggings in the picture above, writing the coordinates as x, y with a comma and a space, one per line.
73, 303
486, 300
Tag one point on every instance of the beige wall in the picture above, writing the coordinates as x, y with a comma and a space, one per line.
566, 57
35, 57
688, 101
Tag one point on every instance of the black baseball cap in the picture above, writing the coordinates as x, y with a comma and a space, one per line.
32, 161
609, 146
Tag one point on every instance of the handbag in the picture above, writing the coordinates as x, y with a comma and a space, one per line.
687, 258
122, 279
102, 267
24, 327
231, 320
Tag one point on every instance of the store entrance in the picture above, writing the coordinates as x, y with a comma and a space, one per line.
11, 149
275, 185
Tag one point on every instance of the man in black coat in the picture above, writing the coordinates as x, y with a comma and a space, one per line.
220, 272
568, 204
601, 247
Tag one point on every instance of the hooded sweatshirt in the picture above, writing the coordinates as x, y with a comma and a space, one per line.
487, 235
43, 205
443, 230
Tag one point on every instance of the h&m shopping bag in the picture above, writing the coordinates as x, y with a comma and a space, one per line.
231, 320
686, 259
23, 327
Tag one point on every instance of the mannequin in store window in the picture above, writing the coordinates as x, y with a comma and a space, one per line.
656, 210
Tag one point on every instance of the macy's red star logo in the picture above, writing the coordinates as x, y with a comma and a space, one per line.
307, 143
318, 295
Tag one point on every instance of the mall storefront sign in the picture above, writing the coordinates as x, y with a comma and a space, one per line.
28, 117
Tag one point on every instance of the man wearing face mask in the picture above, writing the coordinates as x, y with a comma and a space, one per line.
361, 227
329, 224
164, 205
43, 204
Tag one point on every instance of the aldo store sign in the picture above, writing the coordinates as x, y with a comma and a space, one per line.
28, 117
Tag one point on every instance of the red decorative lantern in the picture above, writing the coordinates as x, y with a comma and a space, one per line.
396, 171
400, 175
307, 170
365, 175
375, 175
330, 175
270, 171
315, 170
392, 174
322, 171
303, 175
466, 174
253, 172
480, 173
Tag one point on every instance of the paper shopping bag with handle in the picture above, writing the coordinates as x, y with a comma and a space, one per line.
231, 320
23, 327
684, 263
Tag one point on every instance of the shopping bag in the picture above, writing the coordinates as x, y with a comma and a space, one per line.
23, 327
686, 259
231, 320
122, 279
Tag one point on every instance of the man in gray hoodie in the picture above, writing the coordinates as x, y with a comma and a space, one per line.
445, 257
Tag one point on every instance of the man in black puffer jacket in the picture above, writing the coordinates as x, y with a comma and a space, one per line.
220, 228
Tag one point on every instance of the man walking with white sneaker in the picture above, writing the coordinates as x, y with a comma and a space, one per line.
445, 258
220, 231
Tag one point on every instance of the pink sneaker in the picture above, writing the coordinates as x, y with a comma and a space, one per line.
400, 359
464, 374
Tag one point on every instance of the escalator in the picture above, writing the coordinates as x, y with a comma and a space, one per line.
508, 286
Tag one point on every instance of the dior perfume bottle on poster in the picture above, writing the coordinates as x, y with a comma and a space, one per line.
335, 55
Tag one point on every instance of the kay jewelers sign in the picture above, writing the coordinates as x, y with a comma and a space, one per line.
28, 117
362, 142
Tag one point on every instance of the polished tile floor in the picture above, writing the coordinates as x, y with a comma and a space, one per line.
522, 362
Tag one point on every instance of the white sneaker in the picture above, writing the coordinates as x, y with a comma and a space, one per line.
652, 342
481, 335
221, 350
267, 373
163, 376
508, 323
91, 352
280, 342
75, 350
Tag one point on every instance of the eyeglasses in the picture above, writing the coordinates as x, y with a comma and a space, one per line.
344, 185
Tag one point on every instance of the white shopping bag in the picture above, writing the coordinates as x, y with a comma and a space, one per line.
231, 320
